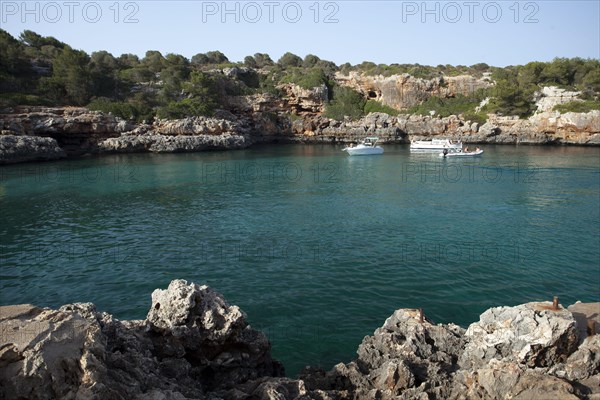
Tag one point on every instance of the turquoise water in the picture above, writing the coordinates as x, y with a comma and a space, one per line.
318, 248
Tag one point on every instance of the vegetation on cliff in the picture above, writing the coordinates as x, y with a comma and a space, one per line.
37, 70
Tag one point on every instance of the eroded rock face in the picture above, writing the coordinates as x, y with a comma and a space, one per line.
404, 91
15, 149
531, 334
196, 344
195, 322
305, 101
45, 121
130, 143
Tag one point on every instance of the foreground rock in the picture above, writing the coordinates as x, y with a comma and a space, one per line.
191, 343
194, 345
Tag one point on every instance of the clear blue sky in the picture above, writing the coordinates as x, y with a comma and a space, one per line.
465, 32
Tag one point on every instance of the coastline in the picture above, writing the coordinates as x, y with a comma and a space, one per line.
193, 344
45, 133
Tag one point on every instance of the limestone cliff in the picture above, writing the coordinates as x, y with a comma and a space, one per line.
194, 345
404, 91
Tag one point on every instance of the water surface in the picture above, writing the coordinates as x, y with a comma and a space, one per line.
318, 248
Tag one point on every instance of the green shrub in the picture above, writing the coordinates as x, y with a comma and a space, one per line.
306, 78
15, 99
346, 102
479, 117
578, 106
125, 110
449, 106
190, 107
372, 106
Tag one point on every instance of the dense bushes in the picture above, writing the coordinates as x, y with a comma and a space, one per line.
345, 103
578, 106
127, 110
459, 104
307, 79
372, 106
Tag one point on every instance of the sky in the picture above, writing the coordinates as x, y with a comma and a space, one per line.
498, 33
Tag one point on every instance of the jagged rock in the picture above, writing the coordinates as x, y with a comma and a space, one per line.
403, 359
531, 334
14, 149
583, 363
178, 353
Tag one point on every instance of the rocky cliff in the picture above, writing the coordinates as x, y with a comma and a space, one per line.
404, 91
194, 345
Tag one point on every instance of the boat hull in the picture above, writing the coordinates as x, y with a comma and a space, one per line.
435, 144
364, 151
463, 154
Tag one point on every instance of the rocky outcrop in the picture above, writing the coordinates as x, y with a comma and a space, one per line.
194, 345
389, 129
46, 121
531, 334
15, 149
523, 352
404, 91
301, 101
129, 143
36, 133
550, 96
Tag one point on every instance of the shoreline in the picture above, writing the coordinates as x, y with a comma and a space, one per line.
44, 133
193, 344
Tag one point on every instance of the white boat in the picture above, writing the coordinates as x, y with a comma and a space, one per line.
461, 153
367, 147
435, 144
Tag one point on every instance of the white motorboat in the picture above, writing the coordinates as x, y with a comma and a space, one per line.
367, 147
461, 153
435, 144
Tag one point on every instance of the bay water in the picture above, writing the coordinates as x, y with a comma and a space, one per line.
318, 248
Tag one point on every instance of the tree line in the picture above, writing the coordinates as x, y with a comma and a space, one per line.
38, 70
